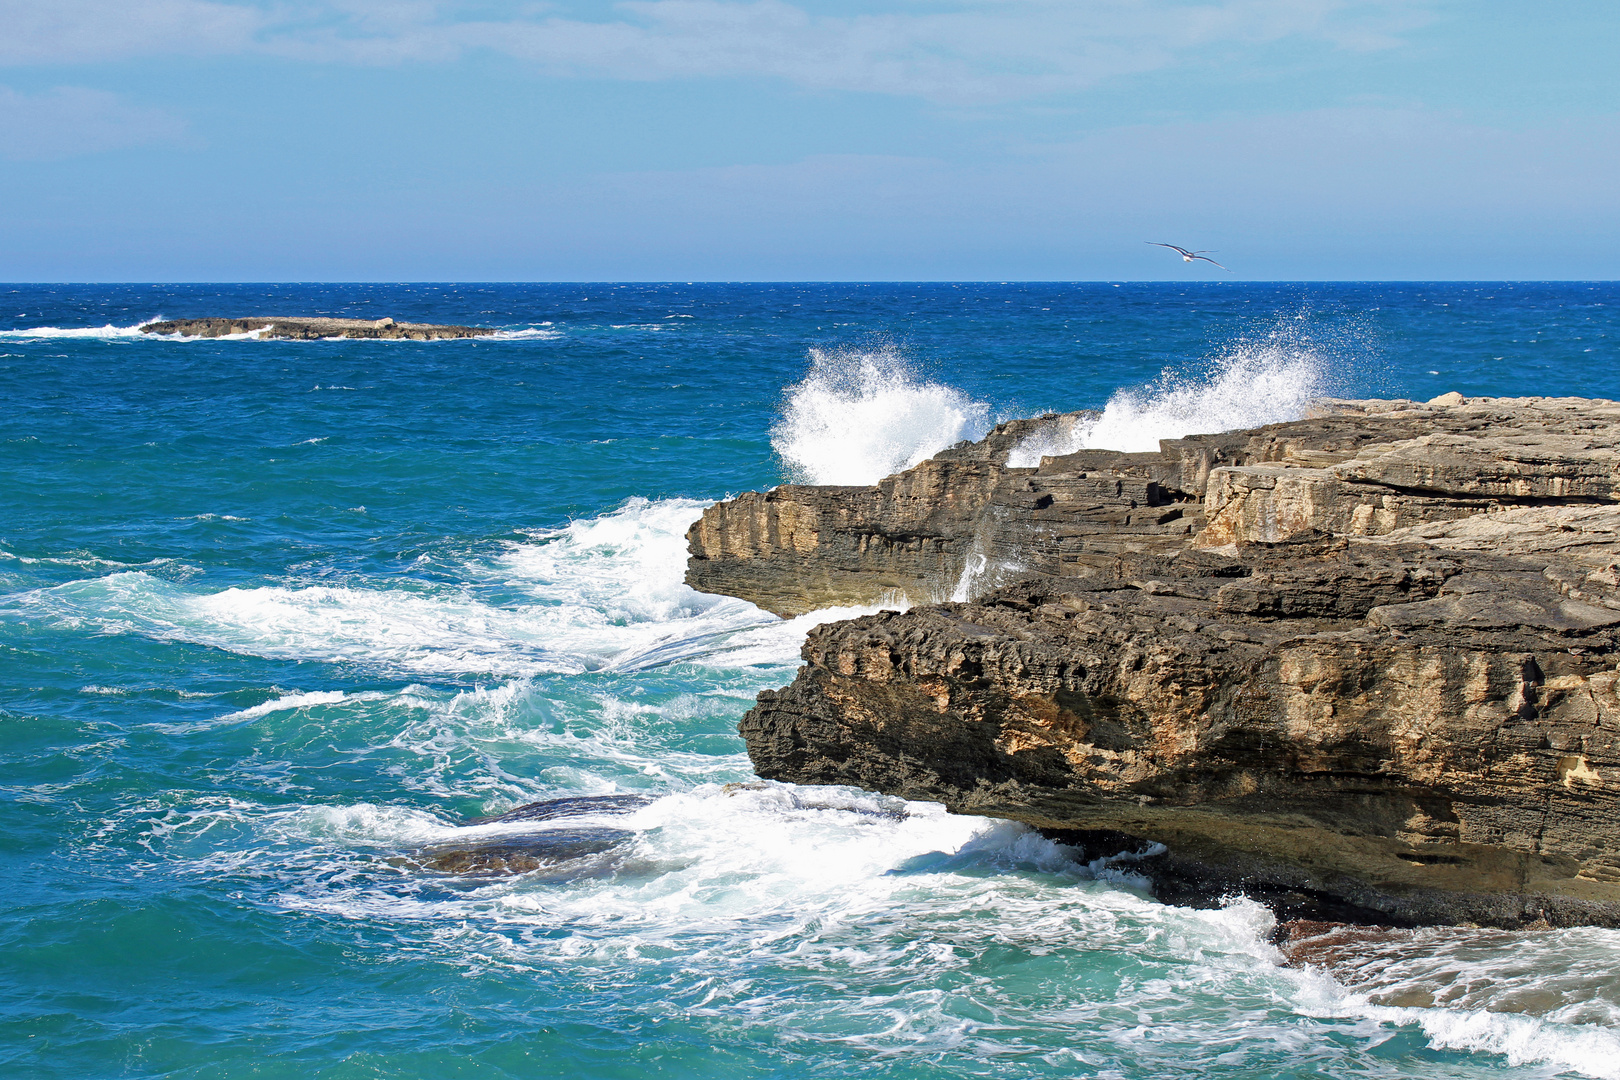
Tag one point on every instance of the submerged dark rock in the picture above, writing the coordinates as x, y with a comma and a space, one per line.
526, 852
523, 854
312, 329
1368, 674
574, 806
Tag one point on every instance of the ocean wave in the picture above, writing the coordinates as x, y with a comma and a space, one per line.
1587, 1048
108, 332
848, 919
863, 414
112, 333
1534, 997
533, 333
1266, 378
604, 594
287, 702
83, 560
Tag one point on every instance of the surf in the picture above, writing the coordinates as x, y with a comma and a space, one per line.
862, 414
1265, 377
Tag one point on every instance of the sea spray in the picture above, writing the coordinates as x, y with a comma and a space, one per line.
1266, 378
195, 889
88, 333
863, 414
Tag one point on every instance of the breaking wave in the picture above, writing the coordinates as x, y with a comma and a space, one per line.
863, 414
602, 594
107, 332
1262, 379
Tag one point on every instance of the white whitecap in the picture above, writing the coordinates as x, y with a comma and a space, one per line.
287, 703
863, 414
1269, 378
106, 332
607, 593
533, 333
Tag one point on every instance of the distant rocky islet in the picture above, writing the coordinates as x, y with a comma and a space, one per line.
312, 328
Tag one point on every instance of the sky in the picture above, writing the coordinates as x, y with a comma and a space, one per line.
766, 140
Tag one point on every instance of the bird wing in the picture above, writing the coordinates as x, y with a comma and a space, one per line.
1209, 260
1172, 247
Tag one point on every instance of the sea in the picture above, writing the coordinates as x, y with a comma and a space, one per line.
279, 620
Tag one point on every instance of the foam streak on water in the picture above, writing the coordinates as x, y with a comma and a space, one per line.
86, 333
817, 890
238, 717
602, 594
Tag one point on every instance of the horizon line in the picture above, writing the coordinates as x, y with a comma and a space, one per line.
834, 281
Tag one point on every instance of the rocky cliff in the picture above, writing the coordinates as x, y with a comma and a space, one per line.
1360, 666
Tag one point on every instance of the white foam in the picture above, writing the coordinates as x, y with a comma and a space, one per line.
1589, 1048
751, 864
107, 332
86, 562
287, 703
533, 333
863, 414
441, 632
1267, 379
1523, 1040
600, 594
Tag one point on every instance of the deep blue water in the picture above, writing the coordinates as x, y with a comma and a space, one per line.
276, 615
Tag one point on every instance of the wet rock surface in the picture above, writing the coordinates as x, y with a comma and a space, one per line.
574, 806
554, 848
312, 329
1367, 675
1559, 976
523, 854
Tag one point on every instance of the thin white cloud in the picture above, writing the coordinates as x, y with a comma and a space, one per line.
1272, 185
73, 120
962, 52
88, 31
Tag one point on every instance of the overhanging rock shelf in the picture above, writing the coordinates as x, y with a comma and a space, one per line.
1358, 666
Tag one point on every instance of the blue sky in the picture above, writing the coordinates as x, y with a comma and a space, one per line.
797, 140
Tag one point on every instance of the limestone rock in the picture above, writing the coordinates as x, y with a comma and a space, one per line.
1391, 733
1362, 666
312, 329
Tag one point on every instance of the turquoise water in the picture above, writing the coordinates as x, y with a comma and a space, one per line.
276, 616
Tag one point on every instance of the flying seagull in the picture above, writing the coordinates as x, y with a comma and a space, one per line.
1187, 256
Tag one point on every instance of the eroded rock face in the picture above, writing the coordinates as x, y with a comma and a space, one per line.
1368, 673
313, 329
1422, 736
965, 520
962, 518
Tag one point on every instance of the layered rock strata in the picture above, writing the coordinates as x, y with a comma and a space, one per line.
313, 329
967, 518
1362, 666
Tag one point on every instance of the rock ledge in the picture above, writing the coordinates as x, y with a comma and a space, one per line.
1362, 667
